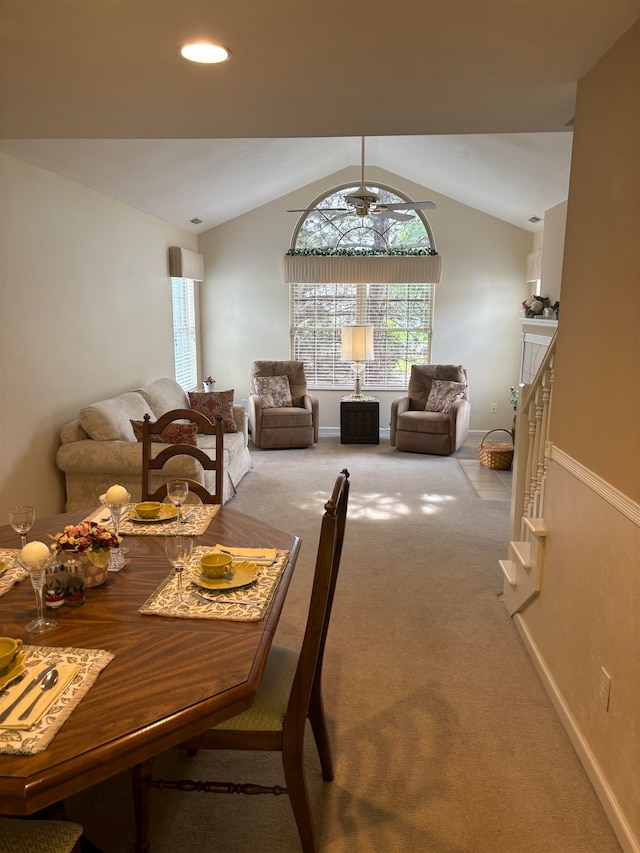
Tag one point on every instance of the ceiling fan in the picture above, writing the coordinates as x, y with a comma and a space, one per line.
363, 202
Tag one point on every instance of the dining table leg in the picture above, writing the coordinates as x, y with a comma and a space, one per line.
141, 776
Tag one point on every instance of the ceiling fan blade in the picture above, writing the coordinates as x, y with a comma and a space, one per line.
391, 214
321, 210
413, 205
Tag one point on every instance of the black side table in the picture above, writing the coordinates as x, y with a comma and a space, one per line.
359, 420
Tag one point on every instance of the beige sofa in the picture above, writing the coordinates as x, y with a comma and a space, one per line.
99, 448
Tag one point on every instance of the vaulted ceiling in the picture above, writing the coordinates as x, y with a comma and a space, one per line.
472, 98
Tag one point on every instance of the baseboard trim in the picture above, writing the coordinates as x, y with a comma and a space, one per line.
628, 841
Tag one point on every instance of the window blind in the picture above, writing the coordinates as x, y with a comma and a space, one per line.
401, 316
184, 333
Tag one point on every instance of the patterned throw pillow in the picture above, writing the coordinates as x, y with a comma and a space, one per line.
171, 434
443, 394
213, 404
274, 391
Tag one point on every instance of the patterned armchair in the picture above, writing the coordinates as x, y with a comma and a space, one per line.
434, 416
281, 413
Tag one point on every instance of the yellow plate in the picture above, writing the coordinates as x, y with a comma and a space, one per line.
167, 513
241, 575
16, 670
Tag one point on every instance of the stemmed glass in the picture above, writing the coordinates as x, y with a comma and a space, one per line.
22, 519
37, 568
116, 558
177, 492
178, 550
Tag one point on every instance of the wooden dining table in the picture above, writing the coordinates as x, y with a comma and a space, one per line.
169, 679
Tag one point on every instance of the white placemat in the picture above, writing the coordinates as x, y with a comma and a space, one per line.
89, 663
14, 571
246, 604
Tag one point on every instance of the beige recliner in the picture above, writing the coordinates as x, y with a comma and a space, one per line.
432, 418
281, 413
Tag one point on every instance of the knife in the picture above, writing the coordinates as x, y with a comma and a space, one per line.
33, 683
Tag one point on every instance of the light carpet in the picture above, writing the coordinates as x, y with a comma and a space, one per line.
444, 738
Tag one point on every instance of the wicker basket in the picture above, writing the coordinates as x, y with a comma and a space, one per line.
497, 455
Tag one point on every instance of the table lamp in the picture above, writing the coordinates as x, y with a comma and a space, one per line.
357, 346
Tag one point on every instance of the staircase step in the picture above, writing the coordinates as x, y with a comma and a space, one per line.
509, 570
522, 552
536, 526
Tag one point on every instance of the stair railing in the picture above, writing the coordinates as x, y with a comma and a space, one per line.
532, 431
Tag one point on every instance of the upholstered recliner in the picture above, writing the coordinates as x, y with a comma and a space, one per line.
281, 413
432, 418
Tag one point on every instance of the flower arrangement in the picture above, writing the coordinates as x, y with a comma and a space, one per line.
341, 252
87, 538
513, 397
535, 306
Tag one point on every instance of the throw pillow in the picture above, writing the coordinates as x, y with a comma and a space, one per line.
213, 404
274, 391
443, 394
171, 434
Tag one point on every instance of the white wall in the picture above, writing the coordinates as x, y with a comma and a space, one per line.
555, 222
244, 301
85, 313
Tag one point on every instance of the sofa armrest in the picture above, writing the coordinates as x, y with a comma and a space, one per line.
242, 421
398, 406
255, 419
459, 417
95, 457
311, 404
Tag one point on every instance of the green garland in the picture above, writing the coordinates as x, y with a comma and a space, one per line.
329, 252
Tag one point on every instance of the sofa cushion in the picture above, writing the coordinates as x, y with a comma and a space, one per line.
426, 422
178, 433
214, 404
293, 369
442, 394
422, 375
274, 391
110, 420
165, 395
287, 416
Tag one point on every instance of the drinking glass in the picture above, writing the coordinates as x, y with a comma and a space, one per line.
41, 623
116, 558
22, 519
178, 550
177, 492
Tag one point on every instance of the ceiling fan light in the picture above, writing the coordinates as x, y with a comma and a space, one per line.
205, 52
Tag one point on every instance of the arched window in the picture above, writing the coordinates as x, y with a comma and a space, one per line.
400, 312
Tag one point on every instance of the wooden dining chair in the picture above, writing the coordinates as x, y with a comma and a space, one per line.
151, 463
290, 692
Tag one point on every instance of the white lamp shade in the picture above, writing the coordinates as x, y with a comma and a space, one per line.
357, 343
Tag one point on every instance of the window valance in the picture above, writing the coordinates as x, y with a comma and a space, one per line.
359, 269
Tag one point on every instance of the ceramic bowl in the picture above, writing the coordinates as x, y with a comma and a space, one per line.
148, 509
215, 565
9, 648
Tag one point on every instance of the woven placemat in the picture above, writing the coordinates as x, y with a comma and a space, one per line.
196, 524
90, 663
208, 605
14, 571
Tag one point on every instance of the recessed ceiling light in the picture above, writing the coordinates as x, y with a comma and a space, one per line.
205, 52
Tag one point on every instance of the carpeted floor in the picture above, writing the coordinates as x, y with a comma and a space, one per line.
444, 738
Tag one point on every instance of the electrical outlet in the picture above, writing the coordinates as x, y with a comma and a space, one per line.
493, 408
604, 688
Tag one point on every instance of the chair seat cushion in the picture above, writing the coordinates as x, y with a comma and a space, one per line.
30, 836
427, 422
287, 416
270, 705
